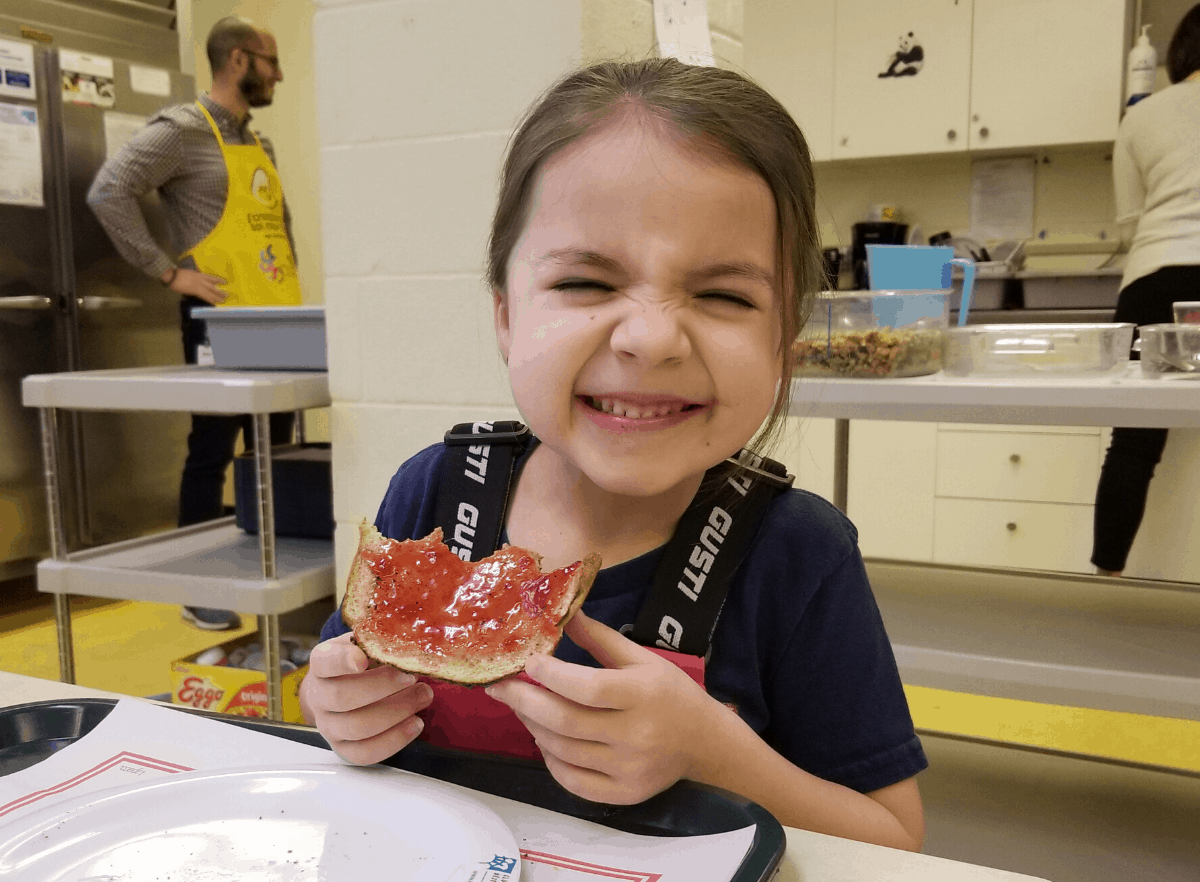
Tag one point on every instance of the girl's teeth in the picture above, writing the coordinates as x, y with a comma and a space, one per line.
616, 408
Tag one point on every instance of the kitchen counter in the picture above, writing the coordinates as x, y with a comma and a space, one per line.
1119, 399
808, 855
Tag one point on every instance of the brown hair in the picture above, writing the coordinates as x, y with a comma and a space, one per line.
710, 107
231, 32
1183, 53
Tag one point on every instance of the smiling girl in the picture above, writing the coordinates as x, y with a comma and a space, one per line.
651, 259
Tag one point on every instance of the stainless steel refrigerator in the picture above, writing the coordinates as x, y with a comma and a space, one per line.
69, 302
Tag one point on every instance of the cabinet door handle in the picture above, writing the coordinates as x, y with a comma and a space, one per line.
1015, 458
983, 133
845, 141
1011, 526
26, 301
951, 135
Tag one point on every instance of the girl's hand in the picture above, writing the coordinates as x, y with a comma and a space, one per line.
365, 713
618, 735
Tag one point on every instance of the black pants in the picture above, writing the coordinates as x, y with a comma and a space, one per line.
213, 438
1134, 453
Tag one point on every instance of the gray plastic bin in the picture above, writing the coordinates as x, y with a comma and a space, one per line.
266, 337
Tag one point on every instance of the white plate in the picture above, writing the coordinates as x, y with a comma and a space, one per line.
303, 823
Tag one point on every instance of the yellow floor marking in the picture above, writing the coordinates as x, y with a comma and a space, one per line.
1139, 738
124, 647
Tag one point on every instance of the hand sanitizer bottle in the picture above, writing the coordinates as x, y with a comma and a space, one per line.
1143, 65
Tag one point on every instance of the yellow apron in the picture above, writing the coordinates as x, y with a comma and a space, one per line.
249, 246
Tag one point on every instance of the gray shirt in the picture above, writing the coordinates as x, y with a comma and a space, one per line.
177, 155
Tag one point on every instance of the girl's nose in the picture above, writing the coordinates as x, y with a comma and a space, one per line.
652, 333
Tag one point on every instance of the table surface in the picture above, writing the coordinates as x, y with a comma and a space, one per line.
808, 855
1123, 398
188, 388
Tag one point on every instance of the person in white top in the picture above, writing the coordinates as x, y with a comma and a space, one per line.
1156, 178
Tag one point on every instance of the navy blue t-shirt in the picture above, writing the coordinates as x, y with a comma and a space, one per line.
800, 649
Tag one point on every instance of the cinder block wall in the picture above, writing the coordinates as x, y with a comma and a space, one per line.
415, 102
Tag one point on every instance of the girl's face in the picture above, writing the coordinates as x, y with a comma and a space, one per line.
641, 320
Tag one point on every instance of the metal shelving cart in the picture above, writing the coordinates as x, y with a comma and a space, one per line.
210, 564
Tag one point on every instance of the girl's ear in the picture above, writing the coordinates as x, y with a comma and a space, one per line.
500, 317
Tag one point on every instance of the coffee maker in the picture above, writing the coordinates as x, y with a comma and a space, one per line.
872, 233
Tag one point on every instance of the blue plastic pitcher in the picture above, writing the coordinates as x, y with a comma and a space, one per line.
919, 268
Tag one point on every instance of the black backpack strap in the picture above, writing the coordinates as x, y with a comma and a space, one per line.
693, 578
473, 495
712, 539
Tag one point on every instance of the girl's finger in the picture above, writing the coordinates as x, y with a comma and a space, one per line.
354, 691
578, 752
551, 710
336, 657
586, 783
364, 723
381, 746
600, 688
606, 645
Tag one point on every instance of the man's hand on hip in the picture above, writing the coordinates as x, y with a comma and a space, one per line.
198, 284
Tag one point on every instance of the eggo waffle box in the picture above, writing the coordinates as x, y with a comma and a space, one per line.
227, 689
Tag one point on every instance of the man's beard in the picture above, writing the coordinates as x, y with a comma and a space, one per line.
254, 89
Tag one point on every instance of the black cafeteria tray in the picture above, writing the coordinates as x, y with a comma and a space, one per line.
29, 733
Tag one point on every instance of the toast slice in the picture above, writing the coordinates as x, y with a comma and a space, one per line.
415, 605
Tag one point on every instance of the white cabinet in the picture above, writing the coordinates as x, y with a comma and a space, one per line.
1035, 466
884, 105
989, 74
890, 488
974, 495
1016, 496
789, 52
1004, 533
806, 449
1046, 72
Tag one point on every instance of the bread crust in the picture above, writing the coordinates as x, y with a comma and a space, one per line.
467, 671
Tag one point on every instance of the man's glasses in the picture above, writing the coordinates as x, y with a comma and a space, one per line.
272, 60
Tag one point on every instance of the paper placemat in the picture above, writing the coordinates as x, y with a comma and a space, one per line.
138, 741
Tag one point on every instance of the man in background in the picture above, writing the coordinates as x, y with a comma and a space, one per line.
230, 236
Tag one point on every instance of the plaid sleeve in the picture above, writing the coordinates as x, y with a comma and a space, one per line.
151, 158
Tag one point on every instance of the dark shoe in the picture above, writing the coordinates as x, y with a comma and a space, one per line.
211, 619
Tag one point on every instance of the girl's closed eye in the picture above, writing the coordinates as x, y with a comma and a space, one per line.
731, 298
578, 284
578, 291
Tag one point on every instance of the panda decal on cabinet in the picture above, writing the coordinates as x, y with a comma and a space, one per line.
906, 61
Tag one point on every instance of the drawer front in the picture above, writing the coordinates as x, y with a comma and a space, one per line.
1030, 467
1029, 535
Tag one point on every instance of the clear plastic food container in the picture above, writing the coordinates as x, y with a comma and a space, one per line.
874, 334
1187, 312
1037, 349
1169, 349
